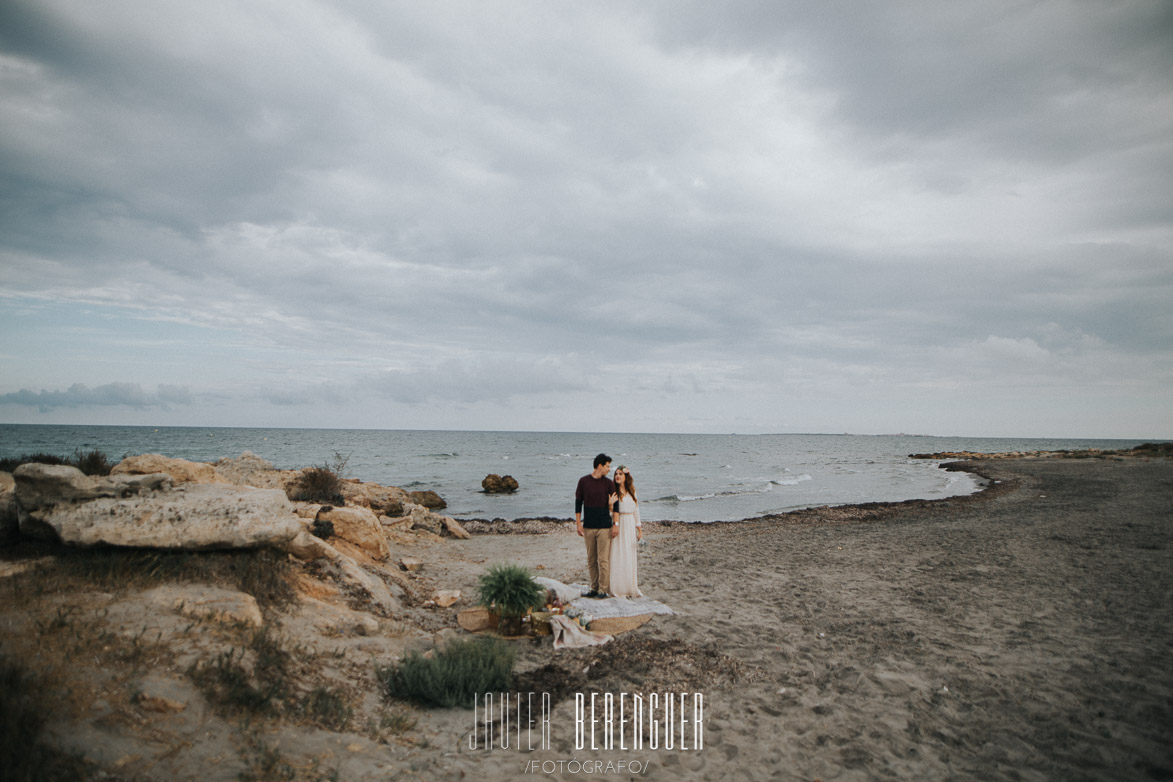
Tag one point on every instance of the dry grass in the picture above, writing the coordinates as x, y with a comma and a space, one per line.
262, 573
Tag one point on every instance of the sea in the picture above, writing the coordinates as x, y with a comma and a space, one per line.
680, 477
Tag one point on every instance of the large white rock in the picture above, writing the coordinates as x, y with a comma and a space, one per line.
190, 516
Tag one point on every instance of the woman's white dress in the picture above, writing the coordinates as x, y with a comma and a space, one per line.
624, 581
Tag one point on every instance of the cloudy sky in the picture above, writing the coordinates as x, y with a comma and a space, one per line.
940, 218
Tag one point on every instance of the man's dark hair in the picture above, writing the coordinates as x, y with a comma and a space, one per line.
602, 459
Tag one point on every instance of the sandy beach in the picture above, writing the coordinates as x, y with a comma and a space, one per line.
1021, 633
1024, 633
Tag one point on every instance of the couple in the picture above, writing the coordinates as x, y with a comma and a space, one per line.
606, 514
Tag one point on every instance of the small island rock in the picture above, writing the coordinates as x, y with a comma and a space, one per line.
498, 484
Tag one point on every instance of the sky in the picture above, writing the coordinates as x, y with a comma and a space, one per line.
653, 216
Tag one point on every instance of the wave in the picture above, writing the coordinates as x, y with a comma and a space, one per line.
797, 479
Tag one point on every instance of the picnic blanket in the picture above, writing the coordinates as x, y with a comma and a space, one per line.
591, 609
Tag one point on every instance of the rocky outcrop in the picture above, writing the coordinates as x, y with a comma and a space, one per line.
180, 470
429, 499
385, 500
60, 502
420, 518
359, 526
42, 485
248, 469
346, 571
9, 518
497, 484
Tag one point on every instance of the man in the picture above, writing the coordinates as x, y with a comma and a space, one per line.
593, 500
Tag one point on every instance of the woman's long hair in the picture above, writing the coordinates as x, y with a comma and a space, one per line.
628, 484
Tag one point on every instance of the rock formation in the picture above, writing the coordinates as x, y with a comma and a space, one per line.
60, 502
180, 470
429, 499
497, 484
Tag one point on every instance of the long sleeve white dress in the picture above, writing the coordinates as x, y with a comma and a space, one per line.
624, 579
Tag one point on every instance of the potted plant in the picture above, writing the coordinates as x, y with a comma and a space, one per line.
510, 591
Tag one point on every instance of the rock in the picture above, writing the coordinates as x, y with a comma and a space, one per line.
359, 526
41, 485
366, 625
307, 510
496, 484
190, 516
180, 470
136, 484
251, 470
216, 604
453, 528
422, 518
378, 592
446, 597
9, 517
307, 547
387, 500
400, 524
347, 571
429, 499
410, 564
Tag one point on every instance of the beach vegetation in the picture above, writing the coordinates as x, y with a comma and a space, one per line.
327, 707
265, 574
321, 483
510, 590
453, 675
93, 462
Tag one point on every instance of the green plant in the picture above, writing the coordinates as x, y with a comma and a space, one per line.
454, 675
510, 590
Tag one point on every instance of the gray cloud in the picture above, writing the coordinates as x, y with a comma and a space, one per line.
109, 395
449, 205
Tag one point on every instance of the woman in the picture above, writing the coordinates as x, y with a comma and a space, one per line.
627, 532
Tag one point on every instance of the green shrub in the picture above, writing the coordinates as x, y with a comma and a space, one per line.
454, 675
510, 590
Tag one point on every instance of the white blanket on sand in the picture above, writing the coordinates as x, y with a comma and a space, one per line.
591, 608
568, 634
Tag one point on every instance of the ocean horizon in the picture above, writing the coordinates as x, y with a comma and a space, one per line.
680, 477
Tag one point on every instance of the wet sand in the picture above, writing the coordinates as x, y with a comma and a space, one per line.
1025, 633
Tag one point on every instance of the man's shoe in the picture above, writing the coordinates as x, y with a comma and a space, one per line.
592, 593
